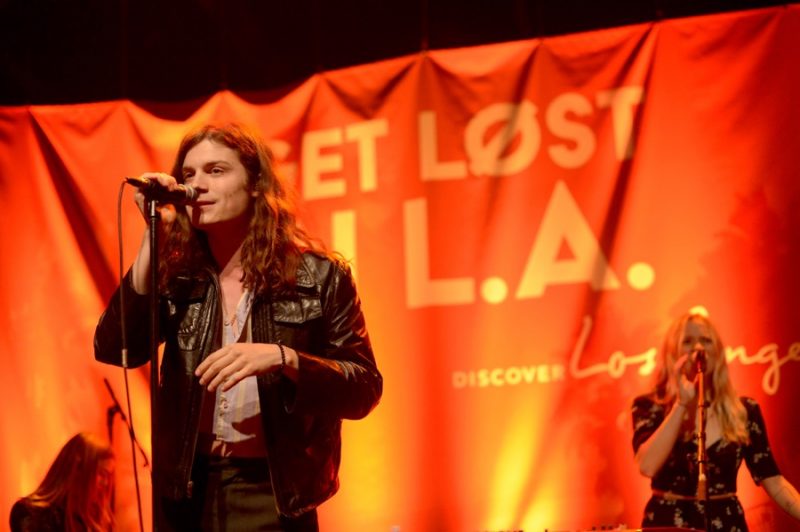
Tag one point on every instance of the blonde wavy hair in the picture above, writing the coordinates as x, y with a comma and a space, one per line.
720, 393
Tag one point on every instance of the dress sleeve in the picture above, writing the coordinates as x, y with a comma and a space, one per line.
647, 417
757, 453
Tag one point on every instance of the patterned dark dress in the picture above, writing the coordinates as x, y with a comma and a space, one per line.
679, 473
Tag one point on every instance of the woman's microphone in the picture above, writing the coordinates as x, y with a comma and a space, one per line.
699, 359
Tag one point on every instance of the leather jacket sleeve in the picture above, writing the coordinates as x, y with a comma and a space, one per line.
341, 379
108, 335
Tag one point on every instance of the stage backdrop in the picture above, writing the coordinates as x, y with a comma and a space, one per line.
524, 220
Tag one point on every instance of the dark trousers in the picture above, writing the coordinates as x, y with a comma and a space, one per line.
231, 495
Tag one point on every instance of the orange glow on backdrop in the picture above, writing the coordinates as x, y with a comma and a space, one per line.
524, 219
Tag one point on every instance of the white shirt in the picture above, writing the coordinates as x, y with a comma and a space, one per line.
230, 424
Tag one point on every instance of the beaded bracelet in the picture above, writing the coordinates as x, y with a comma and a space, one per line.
283, 359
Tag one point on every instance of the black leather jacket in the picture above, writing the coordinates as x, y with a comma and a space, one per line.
337, 378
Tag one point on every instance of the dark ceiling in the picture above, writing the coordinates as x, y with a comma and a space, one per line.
57, 51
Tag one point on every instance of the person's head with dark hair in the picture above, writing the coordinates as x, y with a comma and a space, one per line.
241, 198
76, 492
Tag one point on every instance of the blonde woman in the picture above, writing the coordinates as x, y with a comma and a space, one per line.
76, 493
665, 426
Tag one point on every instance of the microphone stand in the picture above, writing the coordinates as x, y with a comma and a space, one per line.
702, 461
112, 411
154, 218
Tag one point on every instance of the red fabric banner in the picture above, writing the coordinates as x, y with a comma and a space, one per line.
524, 220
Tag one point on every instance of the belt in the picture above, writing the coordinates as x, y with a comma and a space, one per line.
670, 496
208, 444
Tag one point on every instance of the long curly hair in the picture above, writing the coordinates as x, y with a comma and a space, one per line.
274, 244
71, 484
721, 395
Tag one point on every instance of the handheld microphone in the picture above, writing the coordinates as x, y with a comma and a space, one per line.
153, 190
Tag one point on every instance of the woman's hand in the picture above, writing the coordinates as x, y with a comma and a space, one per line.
686, 379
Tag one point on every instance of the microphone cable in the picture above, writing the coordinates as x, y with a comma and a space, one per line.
124, 355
